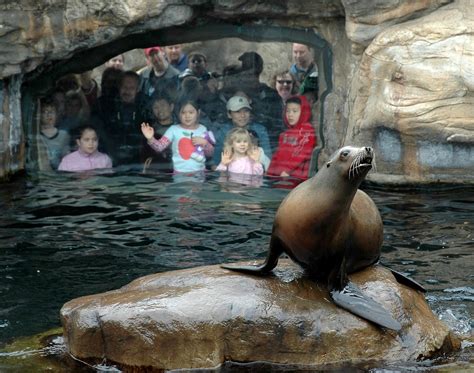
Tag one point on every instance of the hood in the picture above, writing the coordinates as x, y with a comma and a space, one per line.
305, 115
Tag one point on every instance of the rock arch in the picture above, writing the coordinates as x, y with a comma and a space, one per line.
372, 47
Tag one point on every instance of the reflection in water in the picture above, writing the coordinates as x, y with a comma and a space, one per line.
69, 236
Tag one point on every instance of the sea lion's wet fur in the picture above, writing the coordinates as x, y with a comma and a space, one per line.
327, 218
330, 228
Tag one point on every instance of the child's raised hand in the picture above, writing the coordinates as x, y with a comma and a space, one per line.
255, 153
147, 131
226, 157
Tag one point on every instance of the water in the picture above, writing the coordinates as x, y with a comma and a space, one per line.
64, 236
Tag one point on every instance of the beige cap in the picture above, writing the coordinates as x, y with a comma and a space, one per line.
236, 103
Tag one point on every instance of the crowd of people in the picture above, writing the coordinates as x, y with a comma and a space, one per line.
174, 115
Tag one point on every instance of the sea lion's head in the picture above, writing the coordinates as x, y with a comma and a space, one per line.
353, 162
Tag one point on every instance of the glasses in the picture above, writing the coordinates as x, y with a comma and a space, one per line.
288, 82
197, 61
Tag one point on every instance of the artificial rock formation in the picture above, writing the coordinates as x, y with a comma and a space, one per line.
202, 317
413, 98
400, 75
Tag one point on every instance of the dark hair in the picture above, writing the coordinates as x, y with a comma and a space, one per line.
47, 101
252, 61
110, 81
160, 95
197, 54
294, 100
185, 101
129, 74
81, 129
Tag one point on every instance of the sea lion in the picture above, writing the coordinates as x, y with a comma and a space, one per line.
331, 228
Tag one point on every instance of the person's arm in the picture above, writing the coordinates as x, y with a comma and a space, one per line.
206, 142
257, 168
159, 145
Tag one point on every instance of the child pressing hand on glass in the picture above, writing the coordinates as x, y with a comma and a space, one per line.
86, 157
190, 141
240, 155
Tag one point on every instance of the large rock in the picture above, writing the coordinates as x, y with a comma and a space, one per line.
413, 98
202, 317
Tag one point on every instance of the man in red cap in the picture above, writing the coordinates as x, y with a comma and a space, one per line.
159, 76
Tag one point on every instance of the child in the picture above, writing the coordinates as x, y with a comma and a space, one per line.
86, 157
54, 140
239, 112
295, 145
162, 118
240, 155
188, 139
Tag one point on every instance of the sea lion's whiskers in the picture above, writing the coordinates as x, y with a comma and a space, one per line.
355, 166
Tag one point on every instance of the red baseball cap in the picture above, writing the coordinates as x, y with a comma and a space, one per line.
148, 51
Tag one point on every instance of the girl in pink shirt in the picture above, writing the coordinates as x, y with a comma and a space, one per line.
86, 157
240, 155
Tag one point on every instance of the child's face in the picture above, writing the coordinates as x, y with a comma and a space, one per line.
293, 112
162, 110
240, 146
240, 118
48, 116
88, 142
188, 116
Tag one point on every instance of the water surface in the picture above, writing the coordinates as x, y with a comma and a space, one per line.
66, 235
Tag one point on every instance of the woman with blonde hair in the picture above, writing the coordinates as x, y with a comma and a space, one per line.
240, 155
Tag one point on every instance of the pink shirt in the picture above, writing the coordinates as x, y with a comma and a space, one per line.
79, 161
244, 165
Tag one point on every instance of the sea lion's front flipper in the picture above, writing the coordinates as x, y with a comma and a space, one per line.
352, 299
402, 279
274, 252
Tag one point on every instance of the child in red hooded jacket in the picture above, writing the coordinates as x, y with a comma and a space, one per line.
296, 144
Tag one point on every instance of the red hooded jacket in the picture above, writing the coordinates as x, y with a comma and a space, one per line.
295, 146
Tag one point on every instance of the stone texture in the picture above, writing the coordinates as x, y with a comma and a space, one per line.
202, 317
413, 98
400, 77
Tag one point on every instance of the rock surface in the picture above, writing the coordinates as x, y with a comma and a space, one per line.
203, 317
413, 98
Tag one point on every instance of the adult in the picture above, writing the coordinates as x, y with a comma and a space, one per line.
76, 111
176, 57
89, 87
239, 114
265, 101
304, 69
116, 62
208, 96
285, 85
159, 76
119, 121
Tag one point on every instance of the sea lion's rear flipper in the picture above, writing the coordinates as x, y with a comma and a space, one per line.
402, 279
352, 299
274, 252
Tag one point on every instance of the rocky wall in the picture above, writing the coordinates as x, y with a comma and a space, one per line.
400, 78
12, 147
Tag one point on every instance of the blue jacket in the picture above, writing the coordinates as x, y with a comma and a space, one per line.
258, 130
